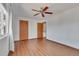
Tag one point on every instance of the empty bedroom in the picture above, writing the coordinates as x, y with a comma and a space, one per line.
39, 29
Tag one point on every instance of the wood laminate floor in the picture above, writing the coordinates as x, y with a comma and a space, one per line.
44, 47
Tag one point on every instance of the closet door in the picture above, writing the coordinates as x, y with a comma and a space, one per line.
40, 29
23, 30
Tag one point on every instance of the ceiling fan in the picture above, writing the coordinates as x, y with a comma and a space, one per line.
42, 11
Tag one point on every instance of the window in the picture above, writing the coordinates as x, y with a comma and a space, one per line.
3, 23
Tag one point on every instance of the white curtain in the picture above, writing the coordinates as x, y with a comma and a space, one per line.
11, 41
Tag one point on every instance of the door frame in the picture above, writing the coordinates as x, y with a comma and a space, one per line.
27, 27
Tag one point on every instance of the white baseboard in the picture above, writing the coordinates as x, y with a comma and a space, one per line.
63, 43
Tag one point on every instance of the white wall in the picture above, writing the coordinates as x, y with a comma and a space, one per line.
15, 25
64, 28
32, 29
4, 46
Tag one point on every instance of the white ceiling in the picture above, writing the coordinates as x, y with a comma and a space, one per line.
25, 9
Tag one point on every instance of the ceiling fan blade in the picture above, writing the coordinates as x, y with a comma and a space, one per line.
45, 8
42, 15
48, 12
36, 14
35, 10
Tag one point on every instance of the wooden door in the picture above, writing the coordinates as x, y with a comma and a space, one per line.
40, 29
23, 30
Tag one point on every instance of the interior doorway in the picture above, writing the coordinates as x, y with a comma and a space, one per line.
23, 30
41, 30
